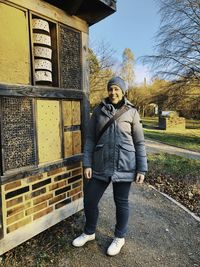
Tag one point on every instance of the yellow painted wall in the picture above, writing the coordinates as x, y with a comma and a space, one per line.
48, 130
14, 46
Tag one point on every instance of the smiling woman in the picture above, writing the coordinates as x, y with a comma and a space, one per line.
114, 152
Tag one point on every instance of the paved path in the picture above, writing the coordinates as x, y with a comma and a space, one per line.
161, 234
156, 147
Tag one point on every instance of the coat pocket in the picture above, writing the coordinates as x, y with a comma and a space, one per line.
126, 159
98, 158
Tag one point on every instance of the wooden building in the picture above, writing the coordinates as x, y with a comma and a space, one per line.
44, 111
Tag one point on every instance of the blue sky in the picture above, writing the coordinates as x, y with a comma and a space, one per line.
133, 26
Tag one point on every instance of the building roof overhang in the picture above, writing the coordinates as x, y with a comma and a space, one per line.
91, 11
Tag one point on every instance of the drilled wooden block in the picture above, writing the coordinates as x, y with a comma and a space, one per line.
76, 137
42, 213
76, 113
48, 129
14, 45
67, 113
68, 149
19, 224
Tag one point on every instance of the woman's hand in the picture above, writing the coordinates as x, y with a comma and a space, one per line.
139, 178
88, 173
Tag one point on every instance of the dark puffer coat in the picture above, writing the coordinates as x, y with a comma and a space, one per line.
120, 152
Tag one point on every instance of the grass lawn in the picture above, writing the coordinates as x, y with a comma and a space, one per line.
188, 138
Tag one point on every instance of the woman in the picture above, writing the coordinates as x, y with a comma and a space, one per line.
117, 156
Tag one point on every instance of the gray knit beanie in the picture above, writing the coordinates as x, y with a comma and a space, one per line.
119, 82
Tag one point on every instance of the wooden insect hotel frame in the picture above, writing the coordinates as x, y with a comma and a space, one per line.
44, 111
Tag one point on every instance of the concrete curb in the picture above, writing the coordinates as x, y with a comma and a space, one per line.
177, 203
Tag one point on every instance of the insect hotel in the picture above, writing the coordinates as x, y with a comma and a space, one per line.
44, 111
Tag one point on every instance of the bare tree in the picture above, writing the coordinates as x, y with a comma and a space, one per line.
127, 70
101, 61
177, 54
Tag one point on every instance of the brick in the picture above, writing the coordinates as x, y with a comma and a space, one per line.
77, 184
13, 202
74, 191
63, 203
62, 176
41, 184
42, 198
35, 193
74, 166
75, 178
57, 185
36, 208
34, 178
19, 224
77, 196
56, 199
62, 190
53, 172
17, 209
17, 192
76, 172
42, 213
15, 218
12, 185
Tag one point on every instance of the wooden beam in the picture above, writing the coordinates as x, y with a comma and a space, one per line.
39, 91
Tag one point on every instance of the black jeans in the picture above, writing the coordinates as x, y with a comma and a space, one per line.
93, 192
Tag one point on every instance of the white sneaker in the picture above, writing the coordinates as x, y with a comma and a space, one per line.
82, 239
115, 246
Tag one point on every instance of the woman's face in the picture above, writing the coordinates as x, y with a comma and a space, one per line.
115, 94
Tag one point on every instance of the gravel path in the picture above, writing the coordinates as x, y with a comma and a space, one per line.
161, 234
